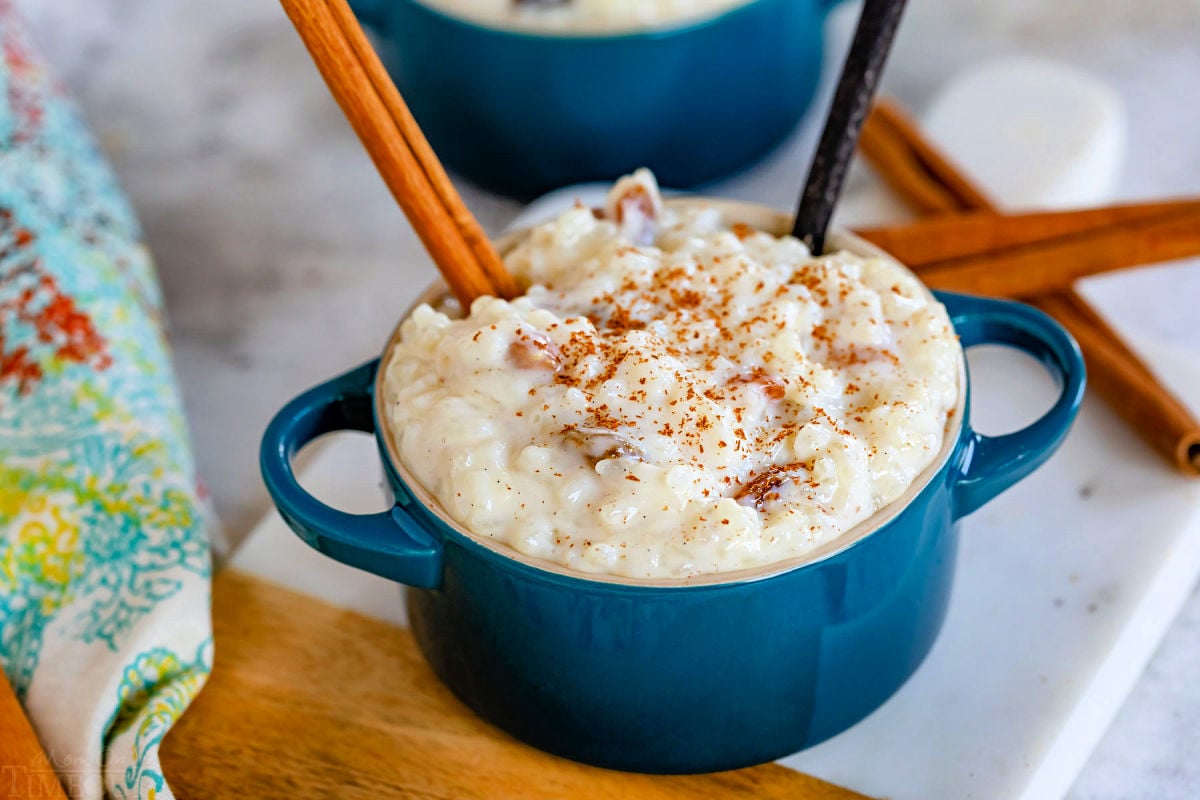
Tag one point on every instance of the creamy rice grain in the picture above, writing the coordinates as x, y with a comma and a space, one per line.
588, 16
674, 396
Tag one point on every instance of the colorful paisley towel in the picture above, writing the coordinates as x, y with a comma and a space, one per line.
104, 563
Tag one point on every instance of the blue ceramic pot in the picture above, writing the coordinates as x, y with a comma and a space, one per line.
522, 113
677, 676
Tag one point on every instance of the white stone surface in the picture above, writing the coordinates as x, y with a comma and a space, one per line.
284, 260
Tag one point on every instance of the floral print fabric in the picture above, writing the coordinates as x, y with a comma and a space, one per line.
104, 563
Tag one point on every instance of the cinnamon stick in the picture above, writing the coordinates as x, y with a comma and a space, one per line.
895, 165
980, 233
1037, 261
1055, 265
914, 168
1132, 390
1115, 371
372, 104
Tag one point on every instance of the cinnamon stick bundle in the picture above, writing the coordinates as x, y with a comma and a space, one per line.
1131, 388
1031, 254
1055, 265
372, 104
972, 248
913, 167
972, 234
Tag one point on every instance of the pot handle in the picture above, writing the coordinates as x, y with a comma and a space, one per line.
992, 464
391, 543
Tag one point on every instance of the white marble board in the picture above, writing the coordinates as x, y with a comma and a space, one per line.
1066, 585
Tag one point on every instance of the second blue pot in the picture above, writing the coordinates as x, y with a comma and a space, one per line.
523, 113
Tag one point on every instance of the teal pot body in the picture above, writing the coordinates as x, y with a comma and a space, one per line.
523, 113
678, 679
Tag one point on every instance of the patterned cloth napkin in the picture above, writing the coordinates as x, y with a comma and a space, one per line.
105, 631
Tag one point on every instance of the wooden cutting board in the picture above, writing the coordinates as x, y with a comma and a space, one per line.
310, 701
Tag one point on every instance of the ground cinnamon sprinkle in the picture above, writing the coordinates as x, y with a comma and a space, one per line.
747, 391
764, 488
697, 327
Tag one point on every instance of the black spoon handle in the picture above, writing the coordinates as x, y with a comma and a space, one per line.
851, 102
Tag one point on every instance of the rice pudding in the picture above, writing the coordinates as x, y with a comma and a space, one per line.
675, 394
583, 16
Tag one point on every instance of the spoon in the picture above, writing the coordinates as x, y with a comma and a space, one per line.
851, 101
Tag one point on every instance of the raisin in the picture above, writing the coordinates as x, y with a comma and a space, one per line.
535, 351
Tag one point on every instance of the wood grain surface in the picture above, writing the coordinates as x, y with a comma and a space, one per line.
311, 701
25, 769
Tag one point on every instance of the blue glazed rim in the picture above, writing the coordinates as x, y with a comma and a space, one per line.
411, 533
370, 11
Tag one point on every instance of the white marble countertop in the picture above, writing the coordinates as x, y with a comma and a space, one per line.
284, 260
